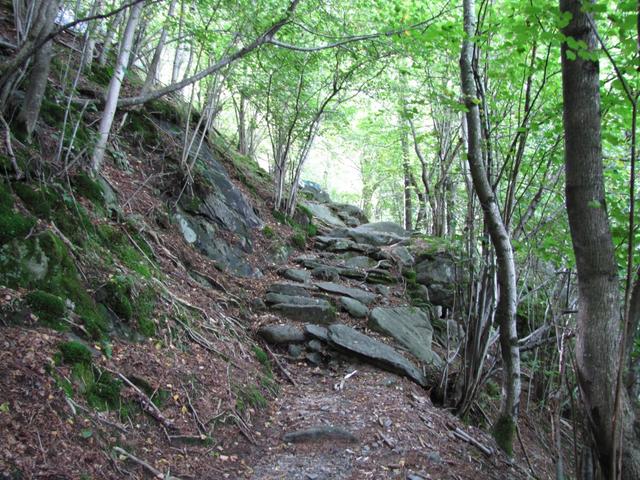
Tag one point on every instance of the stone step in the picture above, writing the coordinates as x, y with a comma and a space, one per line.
361, 295
323, 313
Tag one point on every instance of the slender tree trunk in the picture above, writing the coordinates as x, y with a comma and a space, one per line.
505, 426
598, 318
113, 91
406, 170
90, 38
39, 77
152, 73
108, 39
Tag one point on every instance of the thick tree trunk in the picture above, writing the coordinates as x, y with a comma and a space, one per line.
598, 315
504, 429
38, 79
113, 91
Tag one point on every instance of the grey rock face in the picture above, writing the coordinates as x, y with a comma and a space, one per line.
355, 308
282, 334
362, 296
369, 349
409, 326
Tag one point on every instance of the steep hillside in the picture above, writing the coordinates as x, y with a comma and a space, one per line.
160, 320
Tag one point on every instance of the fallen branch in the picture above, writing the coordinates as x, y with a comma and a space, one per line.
280, 366
488, 451
157, 473
147, 404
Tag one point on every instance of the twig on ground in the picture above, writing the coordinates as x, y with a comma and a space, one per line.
155, 471
526, 454
280, 366
488, 451
147, 404
12, 157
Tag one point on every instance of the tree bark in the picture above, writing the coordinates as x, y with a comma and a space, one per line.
113, 91
505, 426
157, 54
39, 77
406, 169
598, 318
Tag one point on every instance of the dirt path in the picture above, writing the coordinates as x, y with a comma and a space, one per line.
400, 434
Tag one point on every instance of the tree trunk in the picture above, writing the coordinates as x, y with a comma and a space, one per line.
406, 169
152, 72
90, 38
39, 77
505, 426
113, 91
598, 318
108, 39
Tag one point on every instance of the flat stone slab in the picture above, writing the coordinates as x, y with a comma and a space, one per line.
373, 351
324, 314
282, 334
297, 275
316, 331
362, 296
377, 234
272, 298
355, 308
319, 434
409, 326
291, 289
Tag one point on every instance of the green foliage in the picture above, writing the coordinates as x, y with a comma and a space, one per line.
298, 240
101, 74
268, 232
261, 356
49, 308
75, 352
250, 397
114, 240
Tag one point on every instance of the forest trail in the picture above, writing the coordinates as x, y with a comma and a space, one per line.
342, 414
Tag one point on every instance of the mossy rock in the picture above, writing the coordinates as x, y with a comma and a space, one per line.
118, 296
88, 188
48, 307
42, 262
75, 352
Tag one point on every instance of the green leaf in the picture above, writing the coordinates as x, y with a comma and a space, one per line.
87, 433
4, 407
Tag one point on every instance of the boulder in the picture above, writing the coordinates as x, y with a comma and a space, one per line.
409, 326
325, 272
360, 261
355, 308
376, 234
323, 313
323, 217
373, 351
402, 256
338, 244
282, 334
362, 296
438, 273
314, 191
